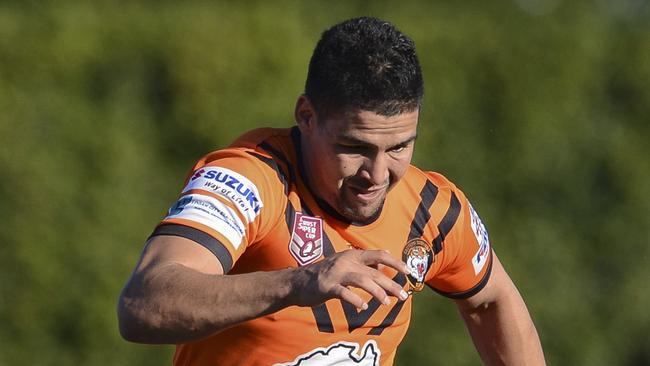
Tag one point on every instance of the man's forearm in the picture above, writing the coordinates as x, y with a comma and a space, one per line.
504, 333
172, 303
176, 304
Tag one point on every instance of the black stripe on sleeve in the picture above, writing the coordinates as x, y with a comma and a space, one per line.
447, 222
422, 215
212, 244
279, 156
474, 290
274, 165
289, 215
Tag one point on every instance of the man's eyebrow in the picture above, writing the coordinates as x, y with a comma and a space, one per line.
352, 140
407, 141
355, 141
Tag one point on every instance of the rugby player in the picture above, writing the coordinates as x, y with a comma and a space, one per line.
305, 245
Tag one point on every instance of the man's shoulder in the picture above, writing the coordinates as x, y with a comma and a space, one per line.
257, 146
256, 137
260, 156
417, 175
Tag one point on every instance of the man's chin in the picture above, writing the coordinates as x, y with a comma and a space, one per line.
362, 214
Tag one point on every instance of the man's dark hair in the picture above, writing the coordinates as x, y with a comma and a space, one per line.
364, 64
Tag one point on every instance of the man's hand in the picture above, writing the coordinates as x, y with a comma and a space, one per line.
331, 277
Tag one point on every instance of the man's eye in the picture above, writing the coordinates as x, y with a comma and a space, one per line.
398, 149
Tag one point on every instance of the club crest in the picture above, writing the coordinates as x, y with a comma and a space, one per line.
418, 256
306, 244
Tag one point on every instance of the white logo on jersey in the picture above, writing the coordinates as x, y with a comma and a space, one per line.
212, 213
340, 353
480, 258
230, 185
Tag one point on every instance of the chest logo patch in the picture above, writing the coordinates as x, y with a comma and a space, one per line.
306, 244
418, 256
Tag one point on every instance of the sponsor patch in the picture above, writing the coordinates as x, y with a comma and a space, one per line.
483, 240
306, 244
230, 185
212, 213
418, 256
340, 353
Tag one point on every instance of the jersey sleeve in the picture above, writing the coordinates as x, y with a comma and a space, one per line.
465, 261
228, 203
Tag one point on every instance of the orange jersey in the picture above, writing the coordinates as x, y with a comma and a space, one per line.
249, 205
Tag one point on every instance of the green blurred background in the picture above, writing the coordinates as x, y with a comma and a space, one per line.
538, 109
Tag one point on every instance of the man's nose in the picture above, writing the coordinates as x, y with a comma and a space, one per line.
375, 169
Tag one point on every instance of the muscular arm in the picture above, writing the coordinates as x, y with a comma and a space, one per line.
499, 323
178, 292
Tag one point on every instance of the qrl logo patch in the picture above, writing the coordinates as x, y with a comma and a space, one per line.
306, 239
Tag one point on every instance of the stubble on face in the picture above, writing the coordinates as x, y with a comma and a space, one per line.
359, 198
360, 212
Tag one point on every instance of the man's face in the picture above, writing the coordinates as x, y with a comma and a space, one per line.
353, 159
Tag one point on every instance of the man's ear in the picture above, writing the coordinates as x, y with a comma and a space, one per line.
304, 114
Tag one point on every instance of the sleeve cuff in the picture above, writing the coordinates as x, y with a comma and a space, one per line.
474, 290
210, 243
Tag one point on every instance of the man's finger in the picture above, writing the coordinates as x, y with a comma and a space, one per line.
391, 287
345, 294
376, 257
368, 284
